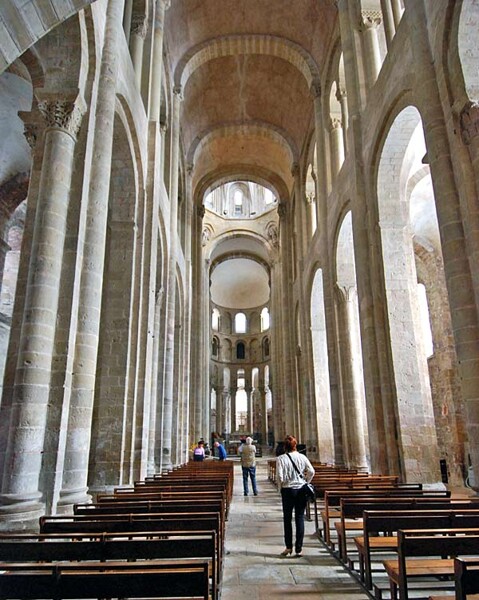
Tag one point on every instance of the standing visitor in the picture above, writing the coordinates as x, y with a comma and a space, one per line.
248, 465
221, 451
292, 497
199, 452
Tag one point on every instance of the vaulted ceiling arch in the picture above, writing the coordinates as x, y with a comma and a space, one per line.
258, 128
257, 44
240, 172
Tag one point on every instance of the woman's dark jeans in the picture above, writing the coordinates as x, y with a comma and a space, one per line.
293, 499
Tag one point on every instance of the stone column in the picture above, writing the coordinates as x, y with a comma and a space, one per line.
171, 291
227, 411
350, 379
75, 474
381, 412
139, 28
157, 60
343, 101
127, 17
397, 11
299, 226
188, 327
4, 249
264, 413
277, 366
285, 324
153, 463
325, 245
455, 252
219, 409
34, 125
337, 147
21, 500
389, 24
233, 392
250, 407
371, 55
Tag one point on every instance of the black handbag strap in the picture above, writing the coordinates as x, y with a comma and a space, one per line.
295, 467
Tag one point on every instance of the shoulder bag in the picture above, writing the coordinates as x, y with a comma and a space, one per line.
307, 489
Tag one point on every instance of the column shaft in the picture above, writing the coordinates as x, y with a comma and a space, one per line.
137, 42
337, 148
350, 379
454, 245
371, 54
171, 290
75, 475
327, 275
157, 61
21, 498
388, 19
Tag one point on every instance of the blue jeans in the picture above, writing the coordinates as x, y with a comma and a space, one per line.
293, 499
251, 471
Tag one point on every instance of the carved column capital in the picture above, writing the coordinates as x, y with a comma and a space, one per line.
61, 111
33, 126
178, 92
315, 88
282, 210
205, 236
344, 293
340, 93
370, 19
139, 25
200, 211
295, 169
272, 234
469, 121
335, 123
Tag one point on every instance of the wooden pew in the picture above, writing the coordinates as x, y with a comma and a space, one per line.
332, 500
135, 523
122, 580
466, 578
201, 470
352, 483
380, 527
414, 545
352, 511
146, 506
201, 545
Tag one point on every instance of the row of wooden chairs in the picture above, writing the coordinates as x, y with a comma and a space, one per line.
160, 538
415, 532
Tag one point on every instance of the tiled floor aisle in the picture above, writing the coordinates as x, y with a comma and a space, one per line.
254, 538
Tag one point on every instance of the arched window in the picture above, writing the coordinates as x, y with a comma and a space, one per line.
215, 319
264, 319
240, 323
240, 350
215, 346
266, 348
238, 203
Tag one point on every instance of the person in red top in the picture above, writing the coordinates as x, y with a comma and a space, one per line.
291, 483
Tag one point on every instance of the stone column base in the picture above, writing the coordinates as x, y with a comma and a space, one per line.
21, 512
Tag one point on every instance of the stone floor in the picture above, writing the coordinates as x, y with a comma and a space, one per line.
254, 538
